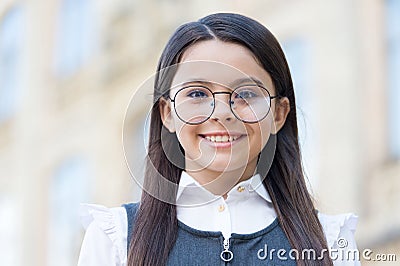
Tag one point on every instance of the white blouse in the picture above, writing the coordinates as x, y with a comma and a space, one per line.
247, 209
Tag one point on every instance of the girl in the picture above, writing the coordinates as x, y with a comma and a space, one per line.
224, 101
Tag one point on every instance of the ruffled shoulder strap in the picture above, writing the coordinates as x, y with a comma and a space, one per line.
336, 226
112, 221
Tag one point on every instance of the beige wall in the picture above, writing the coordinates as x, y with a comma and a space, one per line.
82, 114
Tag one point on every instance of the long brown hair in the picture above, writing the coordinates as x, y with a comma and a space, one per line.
156, 225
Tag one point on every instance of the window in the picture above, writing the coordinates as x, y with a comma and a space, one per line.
74, 36
297, 54
10, 49
393, 60
69, 187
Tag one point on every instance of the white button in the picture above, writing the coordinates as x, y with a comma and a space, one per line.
221, 208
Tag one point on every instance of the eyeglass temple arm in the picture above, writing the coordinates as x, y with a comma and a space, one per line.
275, 96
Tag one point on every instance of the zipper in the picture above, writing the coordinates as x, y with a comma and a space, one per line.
226, 254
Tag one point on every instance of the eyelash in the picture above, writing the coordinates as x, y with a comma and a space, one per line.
190, 94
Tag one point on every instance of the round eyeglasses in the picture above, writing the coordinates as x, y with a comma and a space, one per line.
194, 104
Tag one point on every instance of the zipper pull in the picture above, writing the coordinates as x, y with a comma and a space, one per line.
226, 254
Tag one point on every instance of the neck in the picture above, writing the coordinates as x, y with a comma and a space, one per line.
221, 182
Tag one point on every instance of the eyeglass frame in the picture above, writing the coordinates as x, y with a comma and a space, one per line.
230, 102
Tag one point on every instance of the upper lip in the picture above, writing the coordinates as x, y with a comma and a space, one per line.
222, 133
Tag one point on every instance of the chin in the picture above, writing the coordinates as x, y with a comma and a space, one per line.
225, 166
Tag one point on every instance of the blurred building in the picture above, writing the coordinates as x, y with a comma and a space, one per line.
68, 69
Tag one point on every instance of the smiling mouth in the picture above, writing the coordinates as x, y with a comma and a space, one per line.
221, 138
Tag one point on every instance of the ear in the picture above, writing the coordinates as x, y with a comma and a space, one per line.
281, 111
166, 115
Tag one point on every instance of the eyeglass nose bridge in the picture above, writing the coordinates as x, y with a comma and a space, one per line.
230, 103
223, 92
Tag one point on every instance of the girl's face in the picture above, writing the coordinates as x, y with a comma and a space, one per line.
222, 143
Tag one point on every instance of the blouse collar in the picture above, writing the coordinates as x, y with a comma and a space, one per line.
195, 194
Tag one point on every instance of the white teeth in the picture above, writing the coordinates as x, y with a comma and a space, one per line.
224, 138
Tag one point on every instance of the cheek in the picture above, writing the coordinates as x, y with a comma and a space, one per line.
186, 135
180, 127
260, 134
262, 130
266, 132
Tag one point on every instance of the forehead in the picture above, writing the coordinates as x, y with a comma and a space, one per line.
220, 62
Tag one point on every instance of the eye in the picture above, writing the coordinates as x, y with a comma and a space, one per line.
197, 93
245, 94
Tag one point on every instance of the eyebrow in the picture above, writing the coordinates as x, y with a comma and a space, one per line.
243, 81
236, 83
196, 80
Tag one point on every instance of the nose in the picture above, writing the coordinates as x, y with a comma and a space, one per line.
222, 108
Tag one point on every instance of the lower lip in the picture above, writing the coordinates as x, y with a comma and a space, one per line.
221, 145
